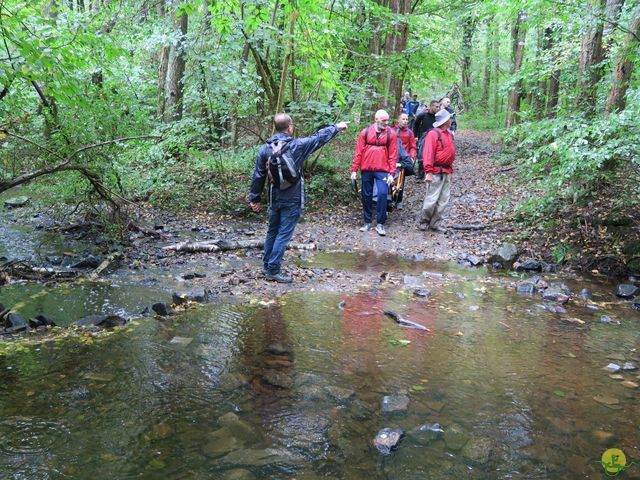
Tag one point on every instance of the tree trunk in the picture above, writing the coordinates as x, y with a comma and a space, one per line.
486, 68
234, 100
589, 72
468, 29
518, 34
163, 65
495, 66
624, 66
287, 60
174, 86
395, 44
613, 9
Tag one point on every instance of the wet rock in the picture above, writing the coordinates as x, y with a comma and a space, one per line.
554, 308
455, 437
163, 309
526, 287
340, 394
238, 474
612, 367
629, 367
191, 276
222, 442
616, 356
360, 411
88, 262
238, 428
602, 437
470, 261
561, 287
278, 348
278, 379
629, 384
388, 439
605, 400
555, 296
16, 202
418, 258
181, 341
394, 404
427, 433
635, 306
15, 323
41, 321
529, 266
263, 457
477, 451
625, 290
102, 321
505, 255
180, 298
606, 319
585, 294
422, 293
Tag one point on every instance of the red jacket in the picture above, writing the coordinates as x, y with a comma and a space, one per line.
373, 155
438, 157
408, 140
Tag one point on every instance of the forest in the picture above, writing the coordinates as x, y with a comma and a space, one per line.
113, 104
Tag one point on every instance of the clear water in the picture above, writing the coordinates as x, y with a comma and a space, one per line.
516, 383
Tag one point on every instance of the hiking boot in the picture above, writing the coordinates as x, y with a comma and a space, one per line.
438, 229
279, 277
380, 230
366, 227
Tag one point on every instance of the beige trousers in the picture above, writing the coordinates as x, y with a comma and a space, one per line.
436, 200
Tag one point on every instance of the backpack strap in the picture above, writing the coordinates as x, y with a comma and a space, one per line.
366, 137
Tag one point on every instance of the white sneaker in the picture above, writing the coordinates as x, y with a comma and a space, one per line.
366, 227
380, 230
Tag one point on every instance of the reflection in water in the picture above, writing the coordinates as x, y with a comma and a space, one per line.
295, 389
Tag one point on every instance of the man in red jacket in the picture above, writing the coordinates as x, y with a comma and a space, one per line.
375, 156
437, 161
406, 135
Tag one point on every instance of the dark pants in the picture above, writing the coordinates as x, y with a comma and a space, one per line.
367, 192
282, 222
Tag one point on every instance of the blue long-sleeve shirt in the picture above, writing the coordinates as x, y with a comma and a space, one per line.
299, 149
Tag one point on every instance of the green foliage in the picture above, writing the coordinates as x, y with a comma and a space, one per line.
568, 158
560, 253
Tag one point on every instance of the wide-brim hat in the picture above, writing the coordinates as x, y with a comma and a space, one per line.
441, 117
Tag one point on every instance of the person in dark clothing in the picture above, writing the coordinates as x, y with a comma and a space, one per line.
285, 205
411, 108
446, 104
424, 120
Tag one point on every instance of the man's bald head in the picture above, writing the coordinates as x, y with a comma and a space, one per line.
381, 119
281, 122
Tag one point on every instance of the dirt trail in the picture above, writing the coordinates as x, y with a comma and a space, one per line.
479, 195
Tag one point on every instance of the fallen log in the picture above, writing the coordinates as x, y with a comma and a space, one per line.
226, 245
104, 265
468, 226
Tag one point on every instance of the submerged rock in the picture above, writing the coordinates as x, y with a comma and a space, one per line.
625, 290
205, 296
455, 437
477, 451
395, 404
555, 296
585, 294
427, 433
102, 321
163, 309
388, 439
